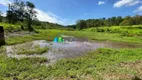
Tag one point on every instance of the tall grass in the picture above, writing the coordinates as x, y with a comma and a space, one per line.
123, 30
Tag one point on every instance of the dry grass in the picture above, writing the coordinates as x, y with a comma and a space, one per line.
135, 66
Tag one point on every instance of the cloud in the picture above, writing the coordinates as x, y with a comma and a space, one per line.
3, 14
48, 16
121, 3
101, 2
2, 3
5, 2
139, 10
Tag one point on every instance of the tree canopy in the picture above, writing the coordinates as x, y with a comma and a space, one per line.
113, 21
20, 11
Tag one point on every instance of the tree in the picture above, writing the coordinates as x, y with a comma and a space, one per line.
119, 19
16, 11
20, 11
128, 21
30, 14
81, 24
137, 19
71, 26
109, 22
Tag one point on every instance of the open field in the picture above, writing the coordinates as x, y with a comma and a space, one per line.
101, 64
91, 35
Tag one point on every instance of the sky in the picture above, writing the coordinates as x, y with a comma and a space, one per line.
67, 12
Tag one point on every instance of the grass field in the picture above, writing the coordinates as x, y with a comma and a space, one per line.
102, 64
124, 64
99, 36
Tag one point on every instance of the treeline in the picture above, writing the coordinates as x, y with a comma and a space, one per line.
46, 25
113, 21
35, 24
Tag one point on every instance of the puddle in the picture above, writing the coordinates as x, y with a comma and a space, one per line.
72, 47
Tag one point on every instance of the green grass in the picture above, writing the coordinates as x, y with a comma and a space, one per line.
42, 35
123, 30
29, 48
114, 33
99, 36
10, 27
36, 50
16, 40
25, 68
96, 65
102, 64
99, 63
2, 49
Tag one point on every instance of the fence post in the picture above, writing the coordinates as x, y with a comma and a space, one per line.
2, 40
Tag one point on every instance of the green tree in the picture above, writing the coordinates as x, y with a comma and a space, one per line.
137, 19
30, 14
119, 19
128, 21
16, 12
81, 24
20, 11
